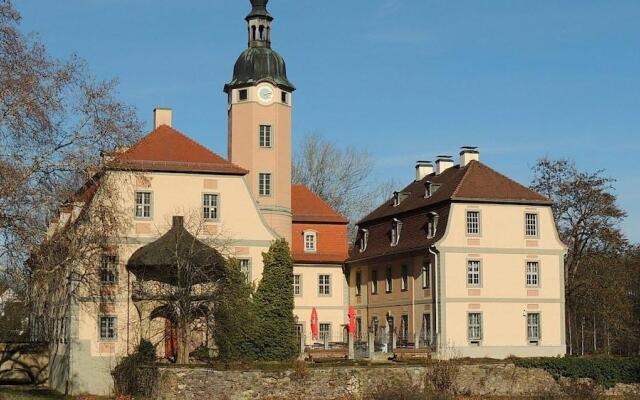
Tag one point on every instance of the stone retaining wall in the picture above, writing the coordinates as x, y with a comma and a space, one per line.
23, 363
344, 382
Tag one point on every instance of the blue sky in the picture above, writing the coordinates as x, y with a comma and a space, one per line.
406, 79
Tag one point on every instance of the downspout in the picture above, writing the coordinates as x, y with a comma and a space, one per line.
436, 288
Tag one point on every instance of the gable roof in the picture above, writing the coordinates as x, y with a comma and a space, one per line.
474, 182
309, 207
166, 149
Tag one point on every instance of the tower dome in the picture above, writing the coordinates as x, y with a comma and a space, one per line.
259, 63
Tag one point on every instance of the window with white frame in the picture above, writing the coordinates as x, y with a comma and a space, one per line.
374, 282
108, 327
404, 284
425, 333
245, 268
264, 184
473, 222
533, 327
143, 204
404, 328
325, 332
389, 280
474, 324
108, 269
432, 225
310, 239
324, 285
358, 283
531, 225
396, 228
265, 135
364, 239
297, 285
533, 273
210, 206
473, 273
426, 275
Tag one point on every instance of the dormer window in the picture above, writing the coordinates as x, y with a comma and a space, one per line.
399, 197
396, 228
310, 241
432, 224
430, 188
364, 239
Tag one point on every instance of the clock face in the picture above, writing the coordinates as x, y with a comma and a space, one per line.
265, 94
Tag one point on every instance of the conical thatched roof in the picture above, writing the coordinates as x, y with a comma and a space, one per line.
177, 258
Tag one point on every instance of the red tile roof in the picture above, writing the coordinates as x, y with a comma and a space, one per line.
166, 149
308, 207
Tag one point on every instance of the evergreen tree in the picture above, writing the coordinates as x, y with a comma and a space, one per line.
276, 339
234, 327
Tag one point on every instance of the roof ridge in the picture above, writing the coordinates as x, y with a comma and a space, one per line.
467, 168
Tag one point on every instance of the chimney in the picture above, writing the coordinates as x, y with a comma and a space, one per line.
162, 116
468, 154
423, 168
443, 163
178, 222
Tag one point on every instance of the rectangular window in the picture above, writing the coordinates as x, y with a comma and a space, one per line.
533, 327
425, 333
264, 184
243, 94
358, 283
265, 135
475, 326
531, 225
374, 282
284, 97
358, 328
210, 206
473, 222
473, 273
533, 273
143, 204
426, 275
325, 332
310, 242
404, 328
374, 327
297, 285
245, 268
108, 328
405, 278
324, 285
389, 281
108, 269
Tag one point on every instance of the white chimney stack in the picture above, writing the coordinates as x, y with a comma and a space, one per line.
162, 116
443, 163
468, 154
423, 168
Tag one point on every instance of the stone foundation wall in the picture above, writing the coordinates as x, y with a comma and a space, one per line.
23, 363
341, 382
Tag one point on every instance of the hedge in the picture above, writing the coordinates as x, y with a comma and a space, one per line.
606, 371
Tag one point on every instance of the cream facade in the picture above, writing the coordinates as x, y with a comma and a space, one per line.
476, 268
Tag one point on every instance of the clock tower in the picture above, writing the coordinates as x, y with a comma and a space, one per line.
260, 101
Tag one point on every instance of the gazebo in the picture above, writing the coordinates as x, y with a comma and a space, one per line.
174, 275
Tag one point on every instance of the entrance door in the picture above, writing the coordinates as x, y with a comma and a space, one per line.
170, 341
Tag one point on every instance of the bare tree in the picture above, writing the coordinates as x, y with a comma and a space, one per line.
341, 177
55, 120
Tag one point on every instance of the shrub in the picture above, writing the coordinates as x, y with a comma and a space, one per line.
606, 371
129, 376
276, 338
440, 376
300, 370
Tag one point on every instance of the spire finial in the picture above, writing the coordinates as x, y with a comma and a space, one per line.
259, 9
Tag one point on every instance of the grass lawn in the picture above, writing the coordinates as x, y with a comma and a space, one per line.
19, 393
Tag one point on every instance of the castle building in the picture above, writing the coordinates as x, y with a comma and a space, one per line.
238, 205
463, 260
